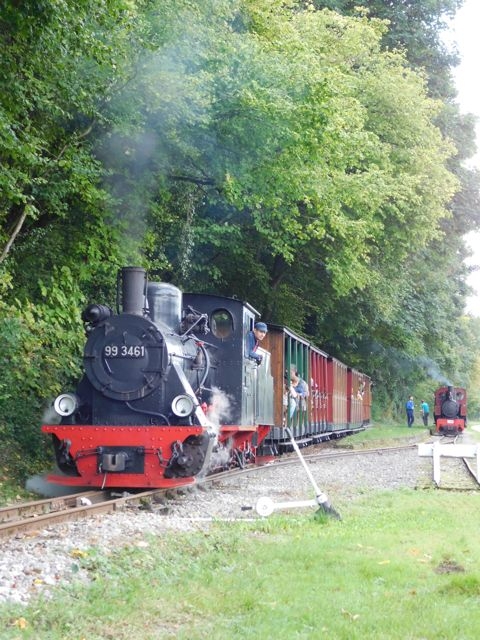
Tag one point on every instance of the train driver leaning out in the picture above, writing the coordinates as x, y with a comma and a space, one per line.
253, 340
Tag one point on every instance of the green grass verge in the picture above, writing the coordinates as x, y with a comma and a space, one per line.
383, 435
400, 565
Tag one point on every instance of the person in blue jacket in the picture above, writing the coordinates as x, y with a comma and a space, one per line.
253, 340
409, 408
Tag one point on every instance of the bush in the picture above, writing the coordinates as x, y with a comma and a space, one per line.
40, 349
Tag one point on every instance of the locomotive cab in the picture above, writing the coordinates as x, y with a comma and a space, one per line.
247, 387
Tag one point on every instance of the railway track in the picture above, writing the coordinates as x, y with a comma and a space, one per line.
457, 473
39, 514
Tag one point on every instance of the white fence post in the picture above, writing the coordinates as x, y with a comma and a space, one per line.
436, 463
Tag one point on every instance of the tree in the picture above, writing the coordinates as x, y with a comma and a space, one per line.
258, 148
51, 111
303, 165
60, 64
414, 27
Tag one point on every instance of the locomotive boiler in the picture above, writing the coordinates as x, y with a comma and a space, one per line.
148, 411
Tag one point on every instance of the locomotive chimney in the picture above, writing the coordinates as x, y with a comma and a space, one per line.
134, 287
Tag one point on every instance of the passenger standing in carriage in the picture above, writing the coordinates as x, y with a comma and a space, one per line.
289, 402
300, 387
253, 340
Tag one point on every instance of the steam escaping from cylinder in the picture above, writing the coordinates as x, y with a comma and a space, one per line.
219, 409
50, 416
220, 459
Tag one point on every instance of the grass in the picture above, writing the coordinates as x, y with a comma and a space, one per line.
383, 435
395, 568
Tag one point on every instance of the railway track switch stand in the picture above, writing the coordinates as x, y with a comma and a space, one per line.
265, 506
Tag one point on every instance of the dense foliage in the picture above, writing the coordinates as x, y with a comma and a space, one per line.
306, 156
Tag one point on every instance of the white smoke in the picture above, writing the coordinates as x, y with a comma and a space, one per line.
50, 416
432, 369
220, 409
220, 459
39, 484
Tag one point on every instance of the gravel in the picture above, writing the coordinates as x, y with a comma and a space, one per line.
38, 562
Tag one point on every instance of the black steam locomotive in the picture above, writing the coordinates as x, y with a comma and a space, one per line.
149, 410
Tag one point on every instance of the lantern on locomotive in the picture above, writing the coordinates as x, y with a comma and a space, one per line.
450, 410
135, 419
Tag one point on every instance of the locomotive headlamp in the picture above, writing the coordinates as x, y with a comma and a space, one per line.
183, 406
66, 404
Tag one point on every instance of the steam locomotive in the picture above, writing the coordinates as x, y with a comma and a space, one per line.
450, 410
169, 392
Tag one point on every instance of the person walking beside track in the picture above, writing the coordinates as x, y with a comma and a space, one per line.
410, 407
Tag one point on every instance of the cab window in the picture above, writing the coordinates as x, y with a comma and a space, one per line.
221, 323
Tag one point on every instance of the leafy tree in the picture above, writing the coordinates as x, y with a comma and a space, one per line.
39, 350
60, 64
262, 148
297, 164
415, 27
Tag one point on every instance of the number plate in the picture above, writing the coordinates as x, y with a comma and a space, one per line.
124, 351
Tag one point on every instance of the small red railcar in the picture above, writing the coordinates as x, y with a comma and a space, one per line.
450, 410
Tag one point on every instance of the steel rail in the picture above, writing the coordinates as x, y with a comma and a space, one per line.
471, 471
36, 508
96, 503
